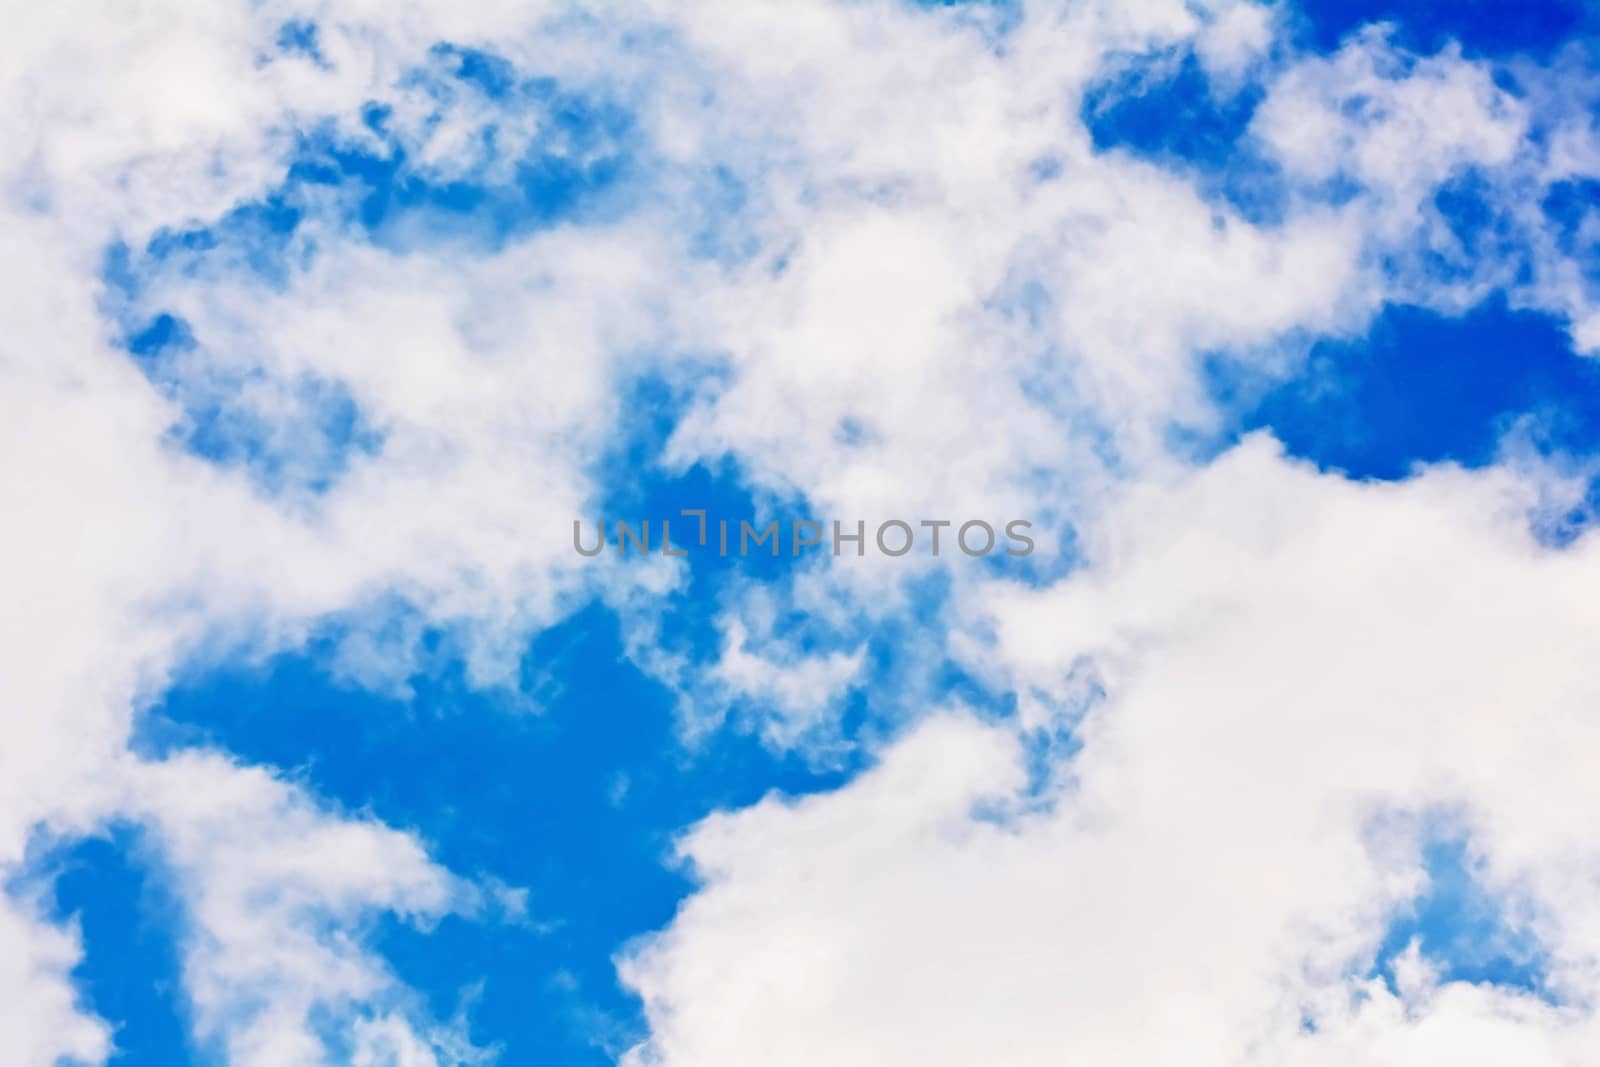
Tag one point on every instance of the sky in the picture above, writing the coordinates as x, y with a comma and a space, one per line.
1261, 337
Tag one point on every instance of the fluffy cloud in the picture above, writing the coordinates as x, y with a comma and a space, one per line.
1301, 676
887, 238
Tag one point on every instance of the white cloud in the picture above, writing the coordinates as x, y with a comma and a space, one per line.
931, 250
1297, 670
1398, 124
1238, 37
800, 689
41, 1014
276, 892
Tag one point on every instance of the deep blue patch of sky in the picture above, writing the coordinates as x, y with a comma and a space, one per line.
578, 803
131, 928
1481, 27
1163, 108
1424, 387
1462, 929
1570, 208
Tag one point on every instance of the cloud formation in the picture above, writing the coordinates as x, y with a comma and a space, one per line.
335, 315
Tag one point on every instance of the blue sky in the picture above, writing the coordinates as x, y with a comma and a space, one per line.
1277, 321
